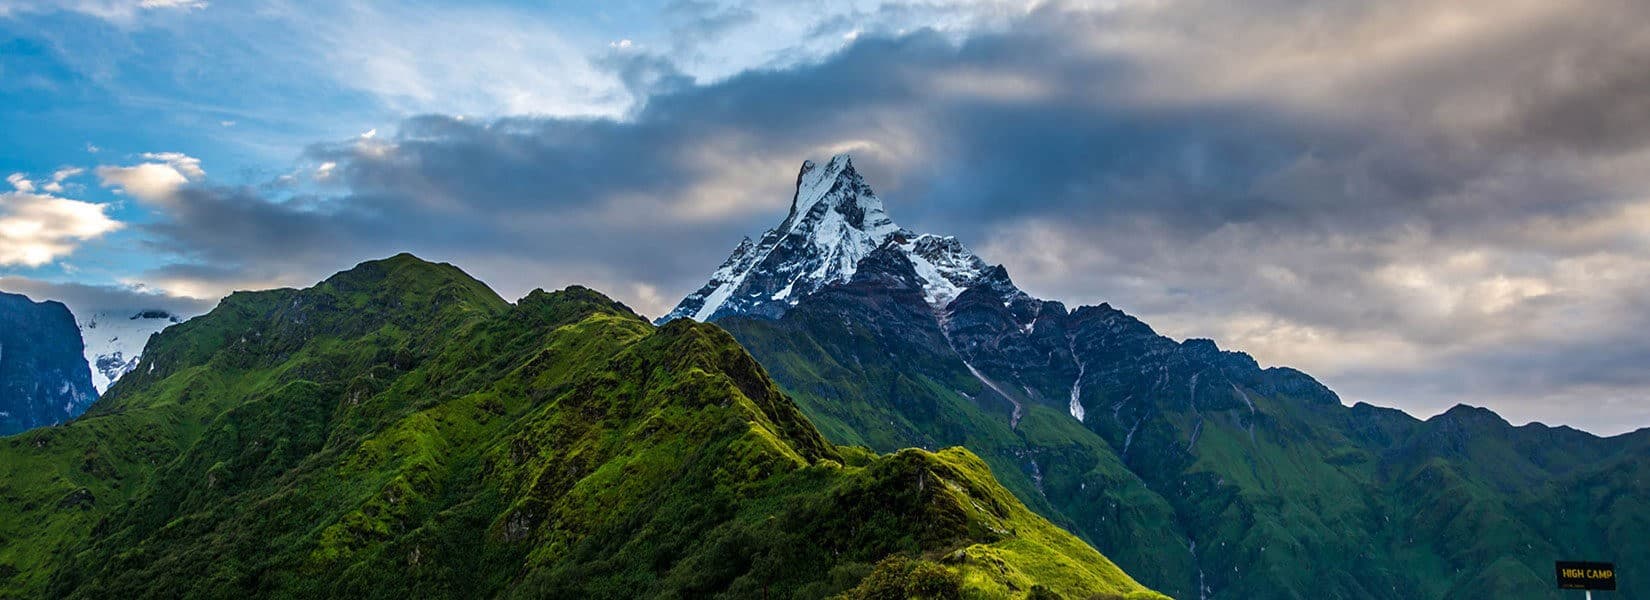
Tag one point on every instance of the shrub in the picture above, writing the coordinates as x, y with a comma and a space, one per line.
900, 578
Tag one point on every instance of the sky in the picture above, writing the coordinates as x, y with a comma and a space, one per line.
1420, 203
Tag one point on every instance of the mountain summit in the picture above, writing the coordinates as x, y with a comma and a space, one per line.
835, 222
1197, 470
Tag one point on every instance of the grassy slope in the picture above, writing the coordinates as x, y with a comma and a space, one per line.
1381, 505
400, 431
846, 385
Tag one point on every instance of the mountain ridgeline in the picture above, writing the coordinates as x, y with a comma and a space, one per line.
399, 431
1201, 473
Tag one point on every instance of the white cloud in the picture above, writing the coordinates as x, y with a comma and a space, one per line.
369, 134
188, 165
55, 186
154, 181
172, 4
325, 171
116, 11
149, 181
621, 44
36, 229
20, 182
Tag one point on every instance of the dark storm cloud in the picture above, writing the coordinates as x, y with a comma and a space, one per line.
1388, 196
1602, 112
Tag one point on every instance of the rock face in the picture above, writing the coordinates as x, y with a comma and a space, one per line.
43, 377
1199, 471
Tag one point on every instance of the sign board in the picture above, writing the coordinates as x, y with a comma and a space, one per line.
1586, 576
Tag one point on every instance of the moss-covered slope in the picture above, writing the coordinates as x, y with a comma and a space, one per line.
400, 431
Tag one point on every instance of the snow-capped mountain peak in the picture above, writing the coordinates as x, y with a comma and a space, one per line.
836, 189
115, 338
835, 221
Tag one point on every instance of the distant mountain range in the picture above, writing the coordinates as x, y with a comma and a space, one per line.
1203, 474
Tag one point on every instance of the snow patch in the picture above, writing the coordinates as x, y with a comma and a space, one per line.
945, 266
1129, 439
1077, 394
1251, 404
1014, 421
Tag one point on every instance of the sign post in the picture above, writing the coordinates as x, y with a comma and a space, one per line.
1589, 576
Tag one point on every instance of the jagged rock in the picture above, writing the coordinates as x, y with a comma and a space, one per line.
44, 379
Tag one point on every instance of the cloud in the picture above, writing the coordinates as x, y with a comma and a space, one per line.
696, 23
512, 62
156, 181
1419, 207
116, 11
36, 229
83, 299
20, 182
55, 186
196, 4
189, 166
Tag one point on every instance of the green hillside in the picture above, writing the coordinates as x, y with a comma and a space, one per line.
1200, 473
400, 431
